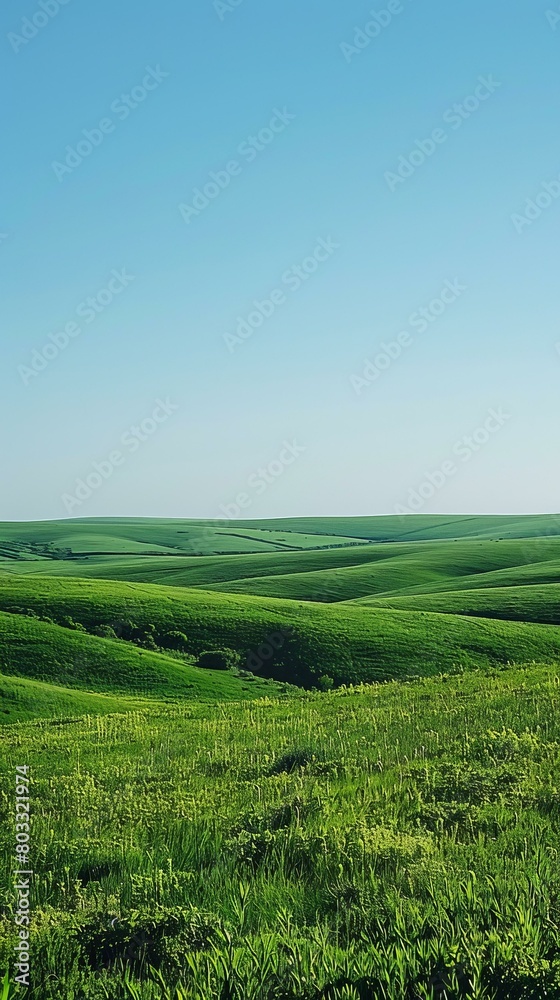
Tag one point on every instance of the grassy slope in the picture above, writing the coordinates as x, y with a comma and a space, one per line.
424, 834
529, 604
195, 571
349, 643
22, 700
401, 569
136, 535
419, 527
39, 651
127, 534
329, 574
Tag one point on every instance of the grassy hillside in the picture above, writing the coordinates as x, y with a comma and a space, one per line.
528, 604
122, 536
396, 842
403, 569
39, 651
22, 700
333, 574
421, 527
349, 644
390, 842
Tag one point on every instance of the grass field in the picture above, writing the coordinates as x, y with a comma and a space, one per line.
389, 842
348, 644
523, 603
22, 700
121, 536
281, 830
39, 651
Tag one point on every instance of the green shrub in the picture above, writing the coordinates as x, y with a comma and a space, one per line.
174, 640
67, 622
218, 659
104, 631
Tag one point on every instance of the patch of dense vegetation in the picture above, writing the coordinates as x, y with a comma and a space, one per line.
397, 842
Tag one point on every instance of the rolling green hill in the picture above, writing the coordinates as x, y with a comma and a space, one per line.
349, 599
39, 651
420, 527
261, 833
402, 569
527, 603
350, 644
124, 536
22, 700
334, 574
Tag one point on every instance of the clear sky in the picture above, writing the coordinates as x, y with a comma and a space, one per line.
327, 326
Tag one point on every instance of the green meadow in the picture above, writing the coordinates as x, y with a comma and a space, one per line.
308, 759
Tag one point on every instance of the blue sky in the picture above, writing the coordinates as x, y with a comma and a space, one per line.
313, 108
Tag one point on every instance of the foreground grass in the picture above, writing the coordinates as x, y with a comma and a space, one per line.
385, 842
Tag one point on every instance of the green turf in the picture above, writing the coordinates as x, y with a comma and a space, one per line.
348, 643
39, 651
22, 699
385, 842
528, 603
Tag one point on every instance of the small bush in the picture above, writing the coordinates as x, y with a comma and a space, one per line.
174, 640
67, 622
303, 757
104, 631
218, 659
143, 636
